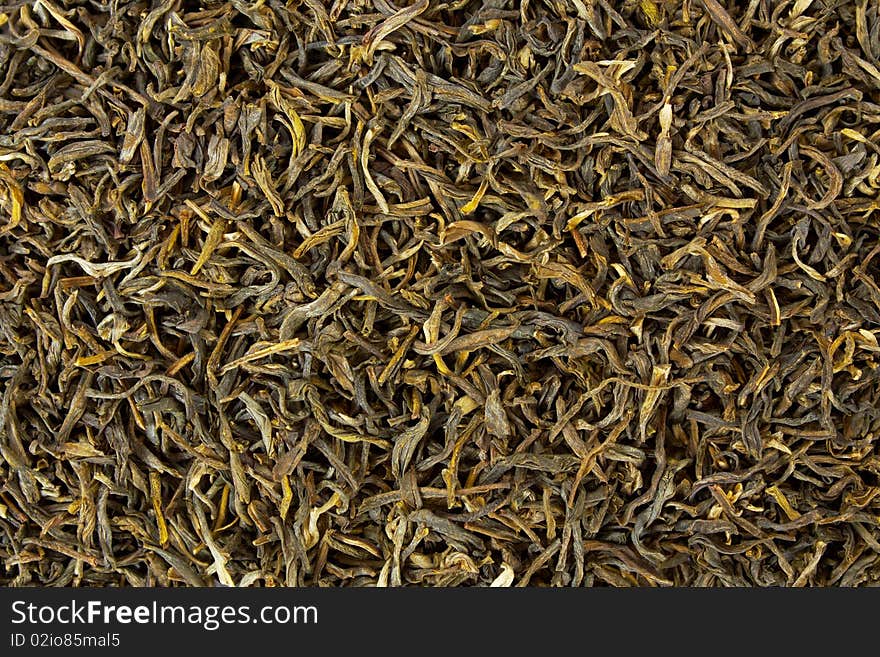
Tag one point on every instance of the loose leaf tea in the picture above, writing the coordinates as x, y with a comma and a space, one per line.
466, 292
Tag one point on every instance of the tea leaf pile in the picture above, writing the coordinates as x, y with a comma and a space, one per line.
462, 293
